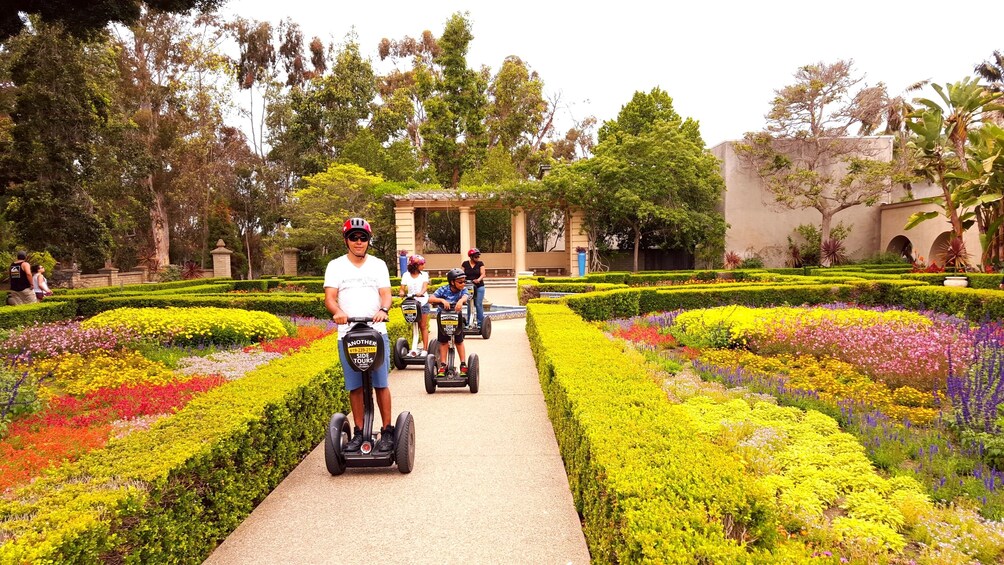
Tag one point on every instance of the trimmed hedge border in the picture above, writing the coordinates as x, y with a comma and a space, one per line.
172, 493
41, 312
649, 490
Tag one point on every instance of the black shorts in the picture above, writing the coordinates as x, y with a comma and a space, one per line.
458, 336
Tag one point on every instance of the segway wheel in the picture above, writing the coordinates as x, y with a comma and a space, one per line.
430, 373
404, 442
335, 439
400, 352
473, 372
486, 328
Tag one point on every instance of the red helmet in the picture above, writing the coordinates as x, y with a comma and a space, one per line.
356, 225
416, 260
474, 251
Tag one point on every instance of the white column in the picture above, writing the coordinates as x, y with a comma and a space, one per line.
519, 240
465, 231
404, 224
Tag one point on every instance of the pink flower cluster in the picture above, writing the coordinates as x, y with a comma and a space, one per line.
896, 354
49, 340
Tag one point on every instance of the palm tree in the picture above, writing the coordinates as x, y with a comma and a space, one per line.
993, 72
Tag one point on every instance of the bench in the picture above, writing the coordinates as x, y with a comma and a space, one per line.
548, 271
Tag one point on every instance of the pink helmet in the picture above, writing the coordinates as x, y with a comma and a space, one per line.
473, 252
416, 260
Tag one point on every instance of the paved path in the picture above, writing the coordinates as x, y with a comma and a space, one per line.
488, 484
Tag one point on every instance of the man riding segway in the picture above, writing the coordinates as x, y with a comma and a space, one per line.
357, 285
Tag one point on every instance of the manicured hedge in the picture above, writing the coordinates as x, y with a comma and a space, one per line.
142, 287
170, 494
648, 488
634, 301
973, 304
42, 312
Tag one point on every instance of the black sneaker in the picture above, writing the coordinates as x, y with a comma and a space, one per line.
386, 442
463, 369
356, 442
442, 370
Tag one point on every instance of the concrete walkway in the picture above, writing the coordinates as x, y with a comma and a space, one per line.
488, 484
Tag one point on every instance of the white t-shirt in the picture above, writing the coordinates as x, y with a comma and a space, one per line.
358, 288
414, 285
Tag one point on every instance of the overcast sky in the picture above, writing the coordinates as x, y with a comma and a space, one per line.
719, 61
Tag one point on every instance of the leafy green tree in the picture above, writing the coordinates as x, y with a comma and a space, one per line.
661, 183
59, 106
325, 113
83, 18
454, 133
317, 211
171, 72
806, 156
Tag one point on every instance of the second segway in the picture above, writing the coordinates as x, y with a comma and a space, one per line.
449, 323
411, 310
363, 347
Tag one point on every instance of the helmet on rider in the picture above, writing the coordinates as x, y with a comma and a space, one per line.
473, 252
455, 275
356, 225
416, 260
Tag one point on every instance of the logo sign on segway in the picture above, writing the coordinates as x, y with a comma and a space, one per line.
449, 321
409, 307
362, 352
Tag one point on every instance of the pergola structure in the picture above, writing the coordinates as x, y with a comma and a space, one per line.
517, 260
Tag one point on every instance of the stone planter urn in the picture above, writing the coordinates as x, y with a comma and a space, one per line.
957, 280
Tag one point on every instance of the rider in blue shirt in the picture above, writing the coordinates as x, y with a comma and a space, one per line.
454, 295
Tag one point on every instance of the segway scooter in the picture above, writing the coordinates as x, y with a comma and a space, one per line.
471, 327
411, 310
449, 322
363, 348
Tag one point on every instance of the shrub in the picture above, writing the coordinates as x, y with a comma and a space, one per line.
192, 325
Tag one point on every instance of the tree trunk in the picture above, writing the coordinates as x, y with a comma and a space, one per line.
637, 243
159, 233
824, 234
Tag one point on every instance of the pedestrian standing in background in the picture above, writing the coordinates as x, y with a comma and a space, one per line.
21, 291
40, 285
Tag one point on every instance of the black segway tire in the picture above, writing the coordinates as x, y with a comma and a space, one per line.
335, 438
473, 373
400, 352
430, 373
404, 442
486, 328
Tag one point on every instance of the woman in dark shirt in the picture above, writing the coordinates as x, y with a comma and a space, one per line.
475, 271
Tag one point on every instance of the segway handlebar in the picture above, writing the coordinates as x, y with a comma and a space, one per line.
362, 319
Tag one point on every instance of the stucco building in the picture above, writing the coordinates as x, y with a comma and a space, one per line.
759, 225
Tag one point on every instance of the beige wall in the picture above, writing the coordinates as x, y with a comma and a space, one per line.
757, 224
924, 236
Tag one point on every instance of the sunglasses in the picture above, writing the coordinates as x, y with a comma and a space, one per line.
357, 237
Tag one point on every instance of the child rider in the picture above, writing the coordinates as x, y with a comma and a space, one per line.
453, 294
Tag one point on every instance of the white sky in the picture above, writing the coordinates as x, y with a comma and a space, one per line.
719, 61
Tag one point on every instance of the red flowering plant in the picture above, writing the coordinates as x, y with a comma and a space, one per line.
70, 426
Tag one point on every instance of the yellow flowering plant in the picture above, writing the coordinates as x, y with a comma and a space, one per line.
193, 326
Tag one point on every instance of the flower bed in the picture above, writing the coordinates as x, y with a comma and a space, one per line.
872, 405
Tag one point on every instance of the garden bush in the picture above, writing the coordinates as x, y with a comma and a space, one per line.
192, 325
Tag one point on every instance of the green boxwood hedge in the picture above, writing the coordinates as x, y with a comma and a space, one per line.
41, 312
170, 494
648, 488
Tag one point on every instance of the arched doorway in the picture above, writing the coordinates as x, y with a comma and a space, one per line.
937, 252
902, 246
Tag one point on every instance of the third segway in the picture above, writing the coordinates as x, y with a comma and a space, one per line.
471, 327
449, 322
